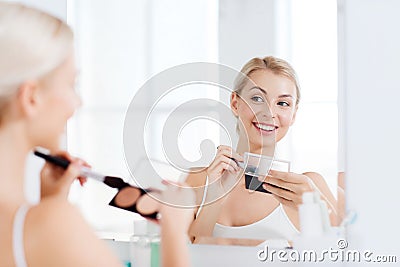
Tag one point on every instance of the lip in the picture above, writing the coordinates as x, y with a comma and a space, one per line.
264, 132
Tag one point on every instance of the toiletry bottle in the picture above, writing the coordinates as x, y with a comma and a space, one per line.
311, 229
140, 245
310, 216
315, 230
154, 233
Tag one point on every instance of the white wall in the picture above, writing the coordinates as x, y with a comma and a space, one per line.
246, 30
55, 7
370, 55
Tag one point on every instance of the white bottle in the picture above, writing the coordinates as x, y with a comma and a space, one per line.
310, 216
315, 230
140, 245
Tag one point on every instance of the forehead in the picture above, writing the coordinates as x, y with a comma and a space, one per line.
273, 84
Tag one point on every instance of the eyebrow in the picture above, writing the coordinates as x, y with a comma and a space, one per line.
265, 92
259, 88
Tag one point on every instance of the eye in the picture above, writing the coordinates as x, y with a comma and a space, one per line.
283, 104
257, 99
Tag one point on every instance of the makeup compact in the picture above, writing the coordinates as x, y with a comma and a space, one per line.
256, 165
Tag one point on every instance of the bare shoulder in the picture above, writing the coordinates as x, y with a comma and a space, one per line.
58, 235
321, 183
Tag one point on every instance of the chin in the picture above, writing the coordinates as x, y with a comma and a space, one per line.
52, 144
261, 142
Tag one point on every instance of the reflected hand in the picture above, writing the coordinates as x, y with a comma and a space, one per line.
288, 187
55, 181
224, 169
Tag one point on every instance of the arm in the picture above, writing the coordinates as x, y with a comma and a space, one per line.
204, 222
223, 173
176, 216
341, 198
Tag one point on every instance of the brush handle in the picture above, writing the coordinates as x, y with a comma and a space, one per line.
239, 163
58, 161
64, 163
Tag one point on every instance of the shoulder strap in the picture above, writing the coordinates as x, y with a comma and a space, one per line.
18, 236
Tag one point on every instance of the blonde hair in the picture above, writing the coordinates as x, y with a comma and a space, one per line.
32, 44
276, 65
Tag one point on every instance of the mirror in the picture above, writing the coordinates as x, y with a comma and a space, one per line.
121, 45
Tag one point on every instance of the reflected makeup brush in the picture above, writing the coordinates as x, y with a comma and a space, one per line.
111, 181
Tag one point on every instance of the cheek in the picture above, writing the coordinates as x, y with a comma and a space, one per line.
68, 103
285, 118
246, 113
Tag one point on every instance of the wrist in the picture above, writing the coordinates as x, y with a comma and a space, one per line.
176, 224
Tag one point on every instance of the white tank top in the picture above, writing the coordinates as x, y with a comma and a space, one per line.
18, 236
275, 226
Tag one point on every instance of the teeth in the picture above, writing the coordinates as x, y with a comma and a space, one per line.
265, 127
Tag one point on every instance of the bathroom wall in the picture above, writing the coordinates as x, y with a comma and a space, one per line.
369, 52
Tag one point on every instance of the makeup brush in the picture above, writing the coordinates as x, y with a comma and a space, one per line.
111, 181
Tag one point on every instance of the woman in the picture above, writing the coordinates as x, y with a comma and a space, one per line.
265, 102
37, 96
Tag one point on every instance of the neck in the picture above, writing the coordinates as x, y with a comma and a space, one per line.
14, 149
245, 146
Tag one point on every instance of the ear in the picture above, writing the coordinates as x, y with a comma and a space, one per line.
29, 97
234, 103
294, 115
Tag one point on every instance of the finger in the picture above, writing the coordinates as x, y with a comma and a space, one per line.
279, 183
84, 163
82, 180
230, 162
228, 167
280, 192
226, 150
287, 176
230, 153
72, 172
223, 147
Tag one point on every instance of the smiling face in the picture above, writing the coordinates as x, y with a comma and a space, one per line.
266, 108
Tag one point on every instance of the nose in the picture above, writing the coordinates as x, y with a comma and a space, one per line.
274, 111
265, 112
